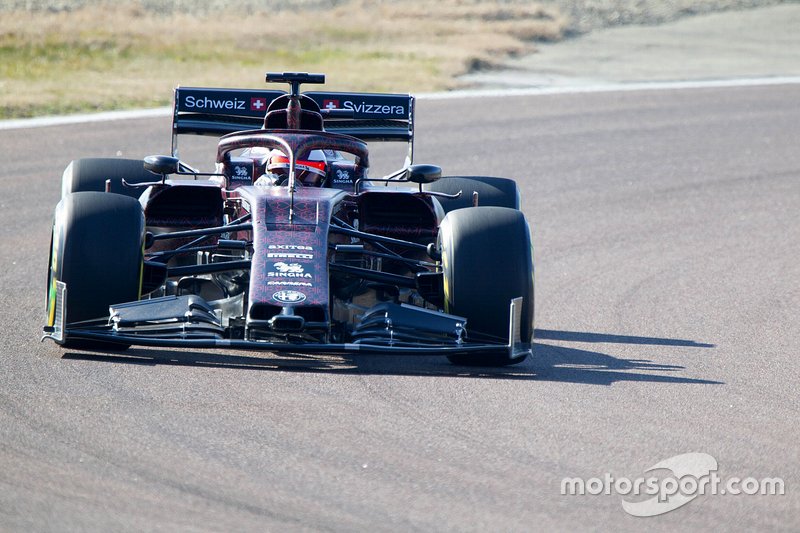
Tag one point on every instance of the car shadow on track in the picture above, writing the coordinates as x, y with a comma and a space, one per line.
560, 362
550, 362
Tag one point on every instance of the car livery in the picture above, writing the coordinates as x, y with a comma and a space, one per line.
155, 252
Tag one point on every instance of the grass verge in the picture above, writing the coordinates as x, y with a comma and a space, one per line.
106, 56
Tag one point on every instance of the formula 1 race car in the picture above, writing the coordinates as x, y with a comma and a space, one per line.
289, 245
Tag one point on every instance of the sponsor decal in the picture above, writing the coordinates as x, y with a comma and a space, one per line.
289, 247
376, 109
291, 283
288, 275
288, 270
287, 255
209, 103
289, 267
342, 176
258, 104
289, 297
330, 104
290, 251
240, 173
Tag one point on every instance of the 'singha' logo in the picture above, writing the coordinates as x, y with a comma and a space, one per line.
288, 270
295, 268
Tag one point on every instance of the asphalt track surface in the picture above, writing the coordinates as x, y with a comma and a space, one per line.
668, 257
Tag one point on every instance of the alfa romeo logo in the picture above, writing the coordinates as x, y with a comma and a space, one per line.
289, 297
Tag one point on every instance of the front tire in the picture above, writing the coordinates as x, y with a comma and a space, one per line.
498, 192
97, 250
90, 174
487, 260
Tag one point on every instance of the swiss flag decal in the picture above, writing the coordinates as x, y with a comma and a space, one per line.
258, 104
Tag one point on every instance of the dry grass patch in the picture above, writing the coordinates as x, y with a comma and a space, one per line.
109, 56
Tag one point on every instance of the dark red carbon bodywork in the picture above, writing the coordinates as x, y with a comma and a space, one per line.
182, 205
290, 255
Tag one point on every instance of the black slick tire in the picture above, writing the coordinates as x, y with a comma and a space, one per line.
91, 174
497, 192
487, 260
97, 247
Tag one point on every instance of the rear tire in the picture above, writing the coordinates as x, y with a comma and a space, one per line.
91, 175
498, 192
487, 260
97, 250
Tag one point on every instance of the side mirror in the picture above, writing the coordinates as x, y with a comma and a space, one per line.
161, 164
423, 173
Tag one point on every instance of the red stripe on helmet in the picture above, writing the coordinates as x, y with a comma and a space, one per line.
281, 161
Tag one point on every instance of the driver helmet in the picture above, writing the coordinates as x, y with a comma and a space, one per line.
310, 171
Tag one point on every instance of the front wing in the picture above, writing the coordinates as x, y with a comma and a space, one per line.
514, 348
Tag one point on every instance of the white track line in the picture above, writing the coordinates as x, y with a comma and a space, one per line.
615, 87
454, 95
41, 122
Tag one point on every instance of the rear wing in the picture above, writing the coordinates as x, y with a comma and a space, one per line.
217, 112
